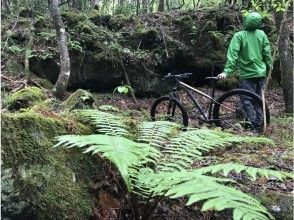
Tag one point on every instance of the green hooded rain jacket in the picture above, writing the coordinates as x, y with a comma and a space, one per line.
249, 50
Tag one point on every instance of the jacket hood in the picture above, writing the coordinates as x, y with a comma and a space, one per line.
252, 21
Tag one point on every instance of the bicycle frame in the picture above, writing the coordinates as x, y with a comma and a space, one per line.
187, 88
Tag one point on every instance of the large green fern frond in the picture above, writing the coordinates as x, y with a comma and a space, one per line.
188, 146
127, 155
157, 133
253, 172
197, 187
105, 123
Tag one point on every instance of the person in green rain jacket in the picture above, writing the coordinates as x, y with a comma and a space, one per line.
250, 53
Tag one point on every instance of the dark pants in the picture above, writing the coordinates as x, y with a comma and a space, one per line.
253, 110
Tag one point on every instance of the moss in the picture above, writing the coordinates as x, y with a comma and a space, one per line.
62, 197
50, 183
28, 138
279, 204
41, 23
73, 17
117, 22
42, 82
98, 19
80, 99
281, 130
185, 21
25, 12
13, 67
25, 98
210, 26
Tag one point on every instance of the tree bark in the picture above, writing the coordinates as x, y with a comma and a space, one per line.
167, 5
144, 7
151, 6
5, 6
161, 5
137, 7
286, 61
62, 81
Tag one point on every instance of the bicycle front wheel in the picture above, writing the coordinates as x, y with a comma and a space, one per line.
166, 109
240, 110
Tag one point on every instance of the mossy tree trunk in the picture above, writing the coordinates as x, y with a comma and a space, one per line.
286, 61
161, 5
62, 81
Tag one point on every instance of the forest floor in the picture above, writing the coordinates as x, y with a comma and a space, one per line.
278, 157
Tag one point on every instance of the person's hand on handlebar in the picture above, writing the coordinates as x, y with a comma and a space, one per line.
221, 76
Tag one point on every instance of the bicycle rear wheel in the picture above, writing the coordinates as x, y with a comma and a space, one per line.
166, 109
240, 110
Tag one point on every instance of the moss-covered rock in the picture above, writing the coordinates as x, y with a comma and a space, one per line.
72, 17
13, 67
41, 23
80, 99
25, 98
42, 82
38, 181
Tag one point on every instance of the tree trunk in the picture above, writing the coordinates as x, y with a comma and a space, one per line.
5, 6
137, 7
144, 7
151, 6
62, 81
161, 5
167, 5
286, 61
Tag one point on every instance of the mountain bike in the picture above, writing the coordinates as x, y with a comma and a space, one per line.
229, 110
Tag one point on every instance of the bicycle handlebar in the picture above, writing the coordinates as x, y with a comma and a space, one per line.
212, 77
185, 75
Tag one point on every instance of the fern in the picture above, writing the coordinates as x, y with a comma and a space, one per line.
188, 146
198, 187
157, 133
124, 153
105, 123
150, 172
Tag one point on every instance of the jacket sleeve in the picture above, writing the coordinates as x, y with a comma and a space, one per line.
266, 52
232, 54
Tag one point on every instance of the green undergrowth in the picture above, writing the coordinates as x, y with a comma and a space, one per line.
25, 98
160, 159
